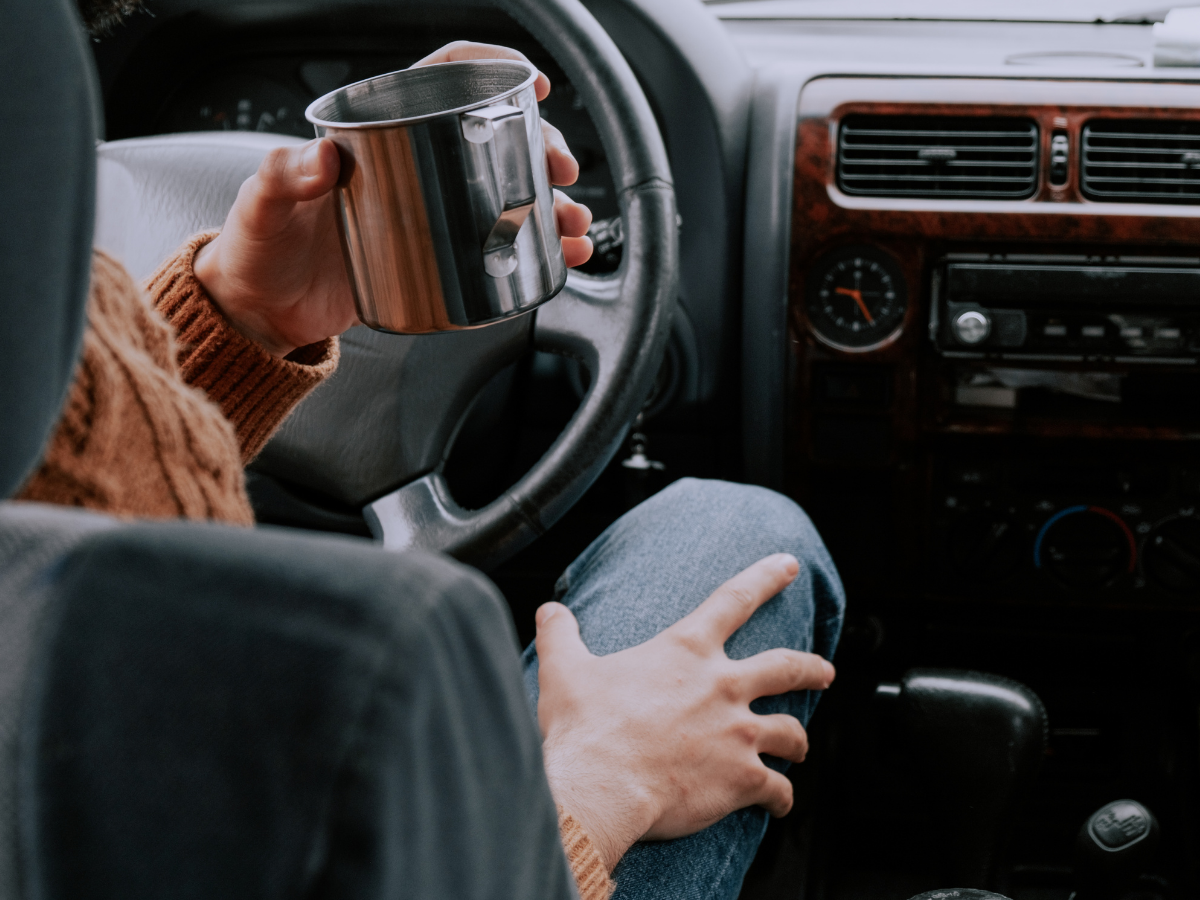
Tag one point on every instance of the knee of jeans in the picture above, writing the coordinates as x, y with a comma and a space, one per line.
775, 524
776, 521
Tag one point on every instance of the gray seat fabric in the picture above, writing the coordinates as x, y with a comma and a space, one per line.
222, 713
33, 541
153, 193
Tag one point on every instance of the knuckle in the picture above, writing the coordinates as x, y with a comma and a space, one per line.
784, 670
275, 165
780, 661
799, 670
783, 804
800, 736
690, 639
277, 158
748, 733
728, 686
762, 782
740, 598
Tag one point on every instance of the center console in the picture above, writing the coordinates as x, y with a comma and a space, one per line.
994, 323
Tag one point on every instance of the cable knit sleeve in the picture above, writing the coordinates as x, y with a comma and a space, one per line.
254, 389
590, 876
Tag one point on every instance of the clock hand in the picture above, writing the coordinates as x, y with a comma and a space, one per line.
857, 297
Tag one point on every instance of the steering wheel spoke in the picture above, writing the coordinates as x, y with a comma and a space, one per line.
617, 327
574, 323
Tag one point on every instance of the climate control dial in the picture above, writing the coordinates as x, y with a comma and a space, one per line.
1085, 547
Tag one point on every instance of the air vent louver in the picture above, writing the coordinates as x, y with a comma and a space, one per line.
956, 157
1141, 161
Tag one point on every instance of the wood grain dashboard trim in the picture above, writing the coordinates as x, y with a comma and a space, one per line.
825, 218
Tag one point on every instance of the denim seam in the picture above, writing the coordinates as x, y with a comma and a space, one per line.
725, 867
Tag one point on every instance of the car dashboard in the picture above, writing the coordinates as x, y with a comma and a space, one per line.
970, 271
940, 283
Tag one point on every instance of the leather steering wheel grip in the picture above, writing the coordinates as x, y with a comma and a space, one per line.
617, 326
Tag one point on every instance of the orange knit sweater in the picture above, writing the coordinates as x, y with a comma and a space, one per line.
157, 426
168, 403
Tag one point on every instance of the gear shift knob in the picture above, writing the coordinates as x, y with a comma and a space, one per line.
959, 894
1114, 847
976, 742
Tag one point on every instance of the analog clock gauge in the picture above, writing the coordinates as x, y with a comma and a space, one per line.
855, 298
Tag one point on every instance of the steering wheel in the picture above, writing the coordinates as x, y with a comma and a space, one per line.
377, 433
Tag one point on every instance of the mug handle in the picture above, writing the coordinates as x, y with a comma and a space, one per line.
504, 126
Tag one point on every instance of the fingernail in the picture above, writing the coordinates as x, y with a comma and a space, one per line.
829, 672
544, 614
788, 561
310, 162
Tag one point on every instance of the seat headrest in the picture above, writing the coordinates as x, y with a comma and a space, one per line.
49, 110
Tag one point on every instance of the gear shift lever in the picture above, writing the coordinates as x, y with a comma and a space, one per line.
1113, 848
976, 741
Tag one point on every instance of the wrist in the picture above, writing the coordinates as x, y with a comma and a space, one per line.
613, 810
207, 268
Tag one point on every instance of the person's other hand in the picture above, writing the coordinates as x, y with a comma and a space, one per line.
573, 218
658, 741
276, 270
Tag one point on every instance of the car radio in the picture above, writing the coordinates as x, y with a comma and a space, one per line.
1119, 309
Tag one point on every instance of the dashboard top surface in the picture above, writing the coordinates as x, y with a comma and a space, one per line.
999, 49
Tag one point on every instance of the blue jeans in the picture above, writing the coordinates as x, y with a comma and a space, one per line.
651, 568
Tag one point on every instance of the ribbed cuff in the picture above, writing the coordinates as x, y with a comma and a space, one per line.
590, 875
254, 389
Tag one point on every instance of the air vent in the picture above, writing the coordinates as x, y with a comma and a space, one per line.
1141, 161
938, 156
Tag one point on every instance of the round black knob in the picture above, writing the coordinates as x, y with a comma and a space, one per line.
984, 547
1172, 555
1113, 848
972, 326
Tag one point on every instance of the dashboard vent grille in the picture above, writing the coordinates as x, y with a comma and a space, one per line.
960, 157
1140, 161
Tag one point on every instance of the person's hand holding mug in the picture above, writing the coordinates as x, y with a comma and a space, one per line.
276, 270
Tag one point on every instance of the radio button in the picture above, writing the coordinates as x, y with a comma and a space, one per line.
1131, 331
1055, 331
1166, 334
1092, 331
972, 326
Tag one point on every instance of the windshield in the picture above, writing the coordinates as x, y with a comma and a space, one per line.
1073, 11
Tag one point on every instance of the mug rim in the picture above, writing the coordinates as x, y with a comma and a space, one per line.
311, 116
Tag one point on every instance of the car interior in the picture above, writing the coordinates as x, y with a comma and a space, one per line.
909, 263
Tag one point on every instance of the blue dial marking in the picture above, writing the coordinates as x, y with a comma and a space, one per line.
1037, 544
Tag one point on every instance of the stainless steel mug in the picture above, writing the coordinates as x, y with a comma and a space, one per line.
445, 207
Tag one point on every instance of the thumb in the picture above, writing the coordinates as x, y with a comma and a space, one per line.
558, 641
293, 174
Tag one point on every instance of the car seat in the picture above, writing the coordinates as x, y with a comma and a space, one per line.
197, 710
